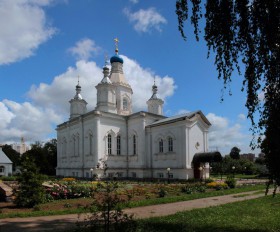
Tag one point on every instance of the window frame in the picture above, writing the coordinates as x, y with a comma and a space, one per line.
109, 144
118, 145
160, 145
170, 144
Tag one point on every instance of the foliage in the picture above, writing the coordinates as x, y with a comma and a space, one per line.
30, 191
45, 156
69, 190
13, 155
190, 188
235, 153
241, 166
217, 185
161, 192
248, 32
106, 210
231, 182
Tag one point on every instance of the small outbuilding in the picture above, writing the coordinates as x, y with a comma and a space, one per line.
201, 163
6, 165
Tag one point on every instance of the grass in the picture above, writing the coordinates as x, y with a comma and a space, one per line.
187, 197
258, 215
60, 209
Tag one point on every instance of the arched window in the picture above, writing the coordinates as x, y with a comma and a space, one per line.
90, 143
118, 145
161, 145
125, 104
64, 147
170, 144
78, 145
74, 145
134, 144
109, 141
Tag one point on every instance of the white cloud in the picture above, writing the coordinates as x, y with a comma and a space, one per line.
84, 49
145, 20
23, 28
261, 96
242, 117
223, 136
134, 1
6, 116
49, 103
27, 120
141, 81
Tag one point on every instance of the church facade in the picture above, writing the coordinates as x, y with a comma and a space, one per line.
144, 144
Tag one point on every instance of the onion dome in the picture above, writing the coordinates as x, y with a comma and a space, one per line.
116, 57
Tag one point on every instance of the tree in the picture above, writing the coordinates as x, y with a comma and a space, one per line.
45, 156
246, 32
234, 153
31, 191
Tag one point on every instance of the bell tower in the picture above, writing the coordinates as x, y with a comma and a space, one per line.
78, 105
155, 104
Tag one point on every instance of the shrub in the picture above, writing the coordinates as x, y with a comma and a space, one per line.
161, 192
68, 179
231, 182
217, 185
30, 191
106, 213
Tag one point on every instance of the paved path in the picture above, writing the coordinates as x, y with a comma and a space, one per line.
62, 222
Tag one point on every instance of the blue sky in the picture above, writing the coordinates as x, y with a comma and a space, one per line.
46, 44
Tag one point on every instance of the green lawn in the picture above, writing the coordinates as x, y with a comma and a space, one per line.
259, 215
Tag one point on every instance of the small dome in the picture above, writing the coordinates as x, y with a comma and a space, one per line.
116, 58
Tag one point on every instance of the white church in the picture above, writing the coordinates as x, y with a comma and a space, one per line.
144, 144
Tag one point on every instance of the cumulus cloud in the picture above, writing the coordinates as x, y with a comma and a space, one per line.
28, 120
23, 27
141, 81
49, 103
145, 20
84, 49
223, 135
242, 117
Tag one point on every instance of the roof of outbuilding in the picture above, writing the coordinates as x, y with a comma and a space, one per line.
207, 157
3, 158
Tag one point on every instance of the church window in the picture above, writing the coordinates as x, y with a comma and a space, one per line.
134, 144
74, 145
90, 143
133, 175
64, 147
161, 145
118, 145
109, 144
160, 175
2, 168
110, 174
78, 145
125, 104
170, 144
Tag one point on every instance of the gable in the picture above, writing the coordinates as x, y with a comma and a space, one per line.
3, 158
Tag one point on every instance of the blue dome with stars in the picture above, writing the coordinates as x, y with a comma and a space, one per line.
116, 58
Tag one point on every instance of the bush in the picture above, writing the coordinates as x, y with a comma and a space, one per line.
231, 182
161, 192
217, 185
30, 191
